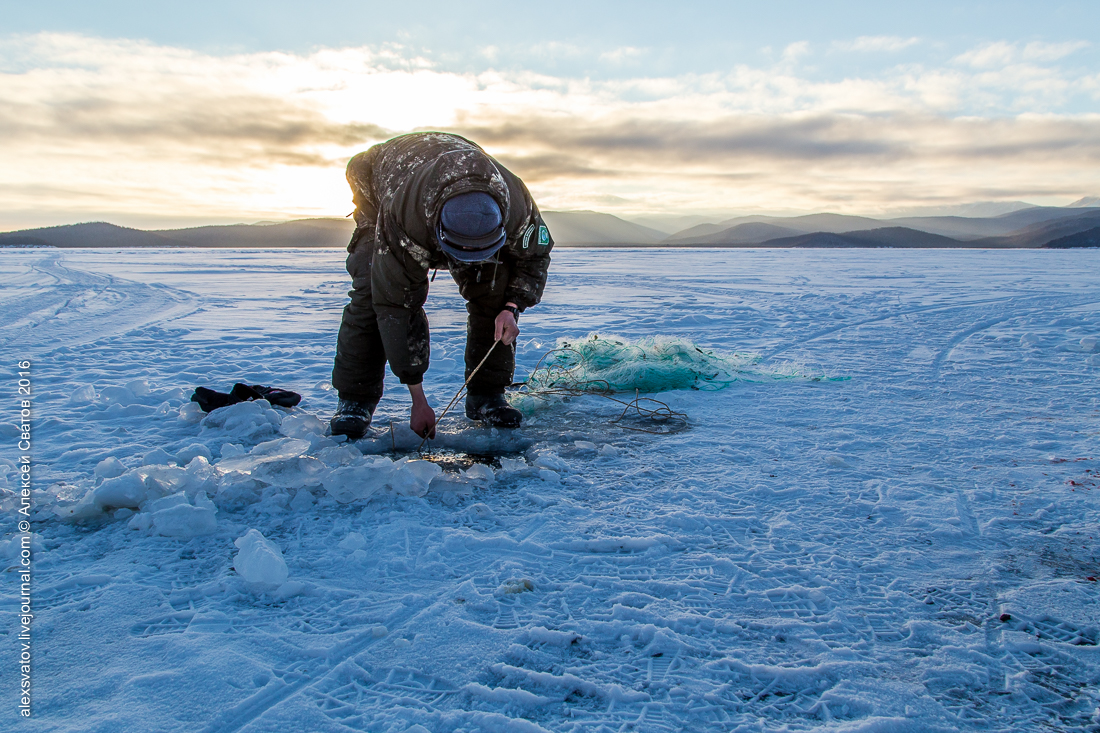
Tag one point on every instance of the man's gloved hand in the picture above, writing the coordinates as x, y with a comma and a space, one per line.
506, 329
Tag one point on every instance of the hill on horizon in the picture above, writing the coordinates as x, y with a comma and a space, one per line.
593, 227
1042, 233
753, 229
299, 233
1087, 238
1032, 227
90, 234
899, 237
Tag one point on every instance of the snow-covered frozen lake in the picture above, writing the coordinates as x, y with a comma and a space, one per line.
911, 547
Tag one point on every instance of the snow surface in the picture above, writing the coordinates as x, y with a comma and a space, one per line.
913, 548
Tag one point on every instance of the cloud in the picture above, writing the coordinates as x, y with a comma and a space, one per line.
235, 130
1002, 53
136, 99
266, 135
622, 55
1052, 51
666, 143
844, 162
990, 55
794, 51
920, 151
876, 44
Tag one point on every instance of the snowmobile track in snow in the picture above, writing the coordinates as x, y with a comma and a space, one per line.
79, 306
291, 682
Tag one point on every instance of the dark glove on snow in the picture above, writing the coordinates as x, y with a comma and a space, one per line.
208, 399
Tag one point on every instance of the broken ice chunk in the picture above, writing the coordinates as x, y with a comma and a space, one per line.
184, 455
512, 464
340, 455
301, 425
157, 456
140, 521
117, 396
190, 412
199, 475
346, 484
174, 516
551, 461
413, 477
232, 450
138, 387
82, 395
244, 420
480, 474
259, 561
291, 473
126, 490
302, 500
109, 468
267, 452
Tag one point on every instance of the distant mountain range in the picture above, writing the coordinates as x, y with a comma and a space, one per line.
300, 233
1077, 225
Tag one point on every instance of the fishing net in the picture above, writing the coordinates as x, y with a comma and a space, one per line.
608, 365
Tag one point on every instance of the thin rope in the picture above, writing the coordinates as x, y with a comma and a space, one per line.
458, 394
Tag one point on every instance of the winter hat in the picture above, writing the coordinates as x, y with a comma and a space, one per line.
471, 227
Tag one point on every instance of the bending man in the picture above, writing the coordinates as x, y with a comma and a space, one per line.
429, 201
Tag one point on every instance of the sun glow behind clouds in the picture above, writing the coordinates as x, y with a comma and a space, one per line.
144, 134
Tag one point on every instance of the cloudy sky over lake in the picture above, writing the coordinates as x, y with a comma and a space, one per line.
150, 115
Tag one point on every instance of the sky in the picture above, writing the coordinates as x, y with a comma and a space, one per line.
158, 115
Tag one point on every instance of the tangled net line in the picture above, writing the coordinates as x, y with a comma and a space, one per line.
645, 407
609, 366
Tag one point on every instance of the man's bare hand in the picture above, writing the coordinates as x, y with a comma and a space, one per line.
507, 330
422, 419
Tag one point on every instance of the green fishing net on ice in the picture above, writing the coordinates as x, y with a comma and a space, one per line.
611, 364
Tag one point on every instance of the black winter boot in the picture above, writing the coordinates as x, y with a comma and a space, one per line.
493, 409
352, 418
